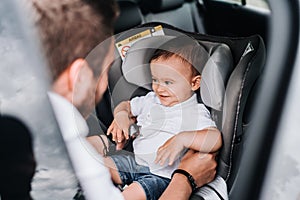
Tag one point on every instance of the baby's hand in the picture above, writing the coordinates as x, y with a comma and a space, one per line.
170, 150
119, 135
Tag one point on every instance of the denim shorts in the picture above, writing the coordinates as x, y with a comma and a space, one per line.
130, 171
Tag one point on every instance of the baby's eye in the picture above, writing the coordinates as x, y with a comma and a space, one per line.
154, 80
168, 82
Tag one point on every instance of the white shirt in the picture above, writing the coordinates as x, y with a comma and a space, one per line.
159, 123
94, 177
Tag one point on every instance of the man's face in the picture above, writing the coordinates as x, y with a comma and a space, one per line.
171, 80
103, 79
84, 88
89, 90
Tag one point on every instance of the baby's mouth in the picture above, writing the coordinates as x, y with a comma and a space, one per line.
163, 96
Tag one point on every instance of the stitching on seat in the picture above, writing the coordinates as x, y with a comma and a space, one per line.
237, 116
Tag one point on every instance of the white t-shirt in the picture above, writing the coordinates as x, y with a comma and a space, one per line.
94, 177
159, 123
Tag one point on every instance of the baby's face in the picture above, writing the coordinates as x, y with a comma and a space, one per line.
172, 80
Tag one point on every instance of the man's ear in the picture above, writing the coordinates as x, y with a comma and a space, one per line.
196, 82
74, 72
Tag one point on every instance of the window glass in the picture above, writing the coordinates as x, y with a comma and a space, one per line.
256, 3
283, 177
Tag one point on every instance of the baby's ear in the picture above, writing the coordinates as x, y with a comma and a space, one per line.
196, 82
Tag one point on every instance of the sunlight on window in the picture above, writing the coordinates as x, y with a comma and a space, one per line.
256, 3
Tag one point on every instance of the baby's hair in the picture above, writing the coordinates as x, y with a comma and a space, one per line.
186, 49
166, 54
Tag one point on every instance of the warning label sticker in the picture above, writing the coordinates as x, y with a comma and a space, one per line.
125, 44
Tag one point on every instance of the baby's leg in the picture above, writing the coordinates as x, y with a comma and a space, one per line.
134, 192
100, 143
146, 186
122, 168
142, 184
115, 176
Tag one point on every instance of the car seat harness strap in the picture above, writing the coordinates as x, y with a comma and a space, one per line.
105, 149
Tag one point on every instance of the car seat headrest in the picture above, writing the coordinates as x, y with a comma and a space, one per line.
156, 6
135, 66
130, 16
214, 67
215, 75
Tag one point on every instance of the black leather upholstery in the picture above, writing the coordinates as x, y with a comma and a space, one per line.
156, 6
249, 58
130, 15
241, 83
178, 13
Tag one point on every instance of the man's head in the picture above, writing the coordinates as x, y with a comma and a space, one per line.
70, 30
174, 70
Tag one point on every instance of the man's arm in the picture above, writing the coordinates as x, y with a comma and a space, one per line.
179, 188
201, 166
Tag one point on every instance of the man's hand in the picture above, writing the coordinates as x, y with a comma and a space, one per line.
202, 166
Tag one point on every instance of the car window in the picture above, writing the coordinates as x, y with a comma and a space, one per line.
283, 177
255, 3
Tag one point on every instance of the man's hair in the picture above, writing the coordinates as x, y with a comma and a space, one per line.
70, 29
188, 50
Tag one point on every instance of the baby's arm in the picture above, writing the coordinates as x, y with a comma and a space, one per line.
206, 141
120, 125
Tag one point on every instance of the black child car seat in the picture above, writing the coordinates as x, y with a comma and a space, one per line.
229, 82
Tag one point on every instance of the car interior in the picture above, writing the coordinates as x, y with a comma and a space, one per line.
228, 80
245, 30
240, 81
211, 17
239, 39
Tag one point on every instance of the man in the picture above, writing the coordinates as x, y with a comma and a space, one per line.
70, 30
